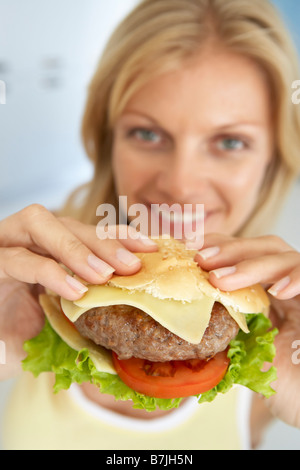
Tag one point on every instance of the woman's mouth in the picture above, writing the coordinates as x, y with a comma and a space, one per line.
181, 222
176, 214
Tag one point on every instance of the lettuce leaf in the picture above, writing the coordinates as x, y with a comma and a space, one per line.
248, 354
47, 352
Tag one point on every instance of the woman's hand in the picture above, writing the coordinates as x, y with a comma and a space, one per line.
234, 263
34, 244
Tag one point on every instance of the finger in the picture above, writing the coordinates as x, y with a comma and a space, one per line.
267, 270
115, 246
35, 226
127, 235
214, 239
132, 239
287, 287
23, 265
231, 251
47, 232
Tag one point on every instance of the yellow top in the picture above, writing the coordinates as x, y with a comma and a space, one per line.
37, 419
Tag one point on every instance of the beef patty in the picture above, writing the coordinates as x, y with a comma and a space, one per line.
129, 332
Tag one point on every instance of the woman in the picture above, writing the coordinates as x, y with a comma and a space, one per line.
191, 103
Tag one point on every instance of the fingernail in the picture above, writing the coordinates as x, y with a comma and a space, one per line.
194, 244
99, 266
76, 285
209, 252
223, 272
127, 257
279, 286
145, 240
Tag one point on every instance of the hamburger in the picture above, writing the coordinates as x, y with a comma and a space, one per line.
158, 336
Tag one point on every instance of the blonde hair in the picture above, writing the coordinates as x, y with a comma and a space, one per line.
158, 36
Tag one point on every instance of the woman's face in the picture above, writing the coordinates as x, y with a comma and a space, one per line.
199, 135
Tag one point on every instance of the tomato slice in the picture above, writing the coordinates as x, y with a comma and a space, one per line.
68, 320
174, 379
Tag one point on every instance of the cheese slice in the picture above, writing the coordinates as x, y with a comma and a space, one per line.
100, 356
188, 320
239, 318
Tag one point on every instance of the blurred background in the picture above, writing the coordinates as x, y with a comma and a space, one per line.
48, 52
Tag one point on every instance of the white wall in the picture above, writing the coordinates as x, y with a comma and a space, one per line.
48, 52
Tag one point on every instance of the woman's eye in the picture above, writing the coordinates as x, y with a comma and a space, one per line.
229, 144
145, 135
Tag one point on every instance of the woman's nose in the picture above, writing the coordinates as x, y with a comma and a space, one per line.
184, 176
